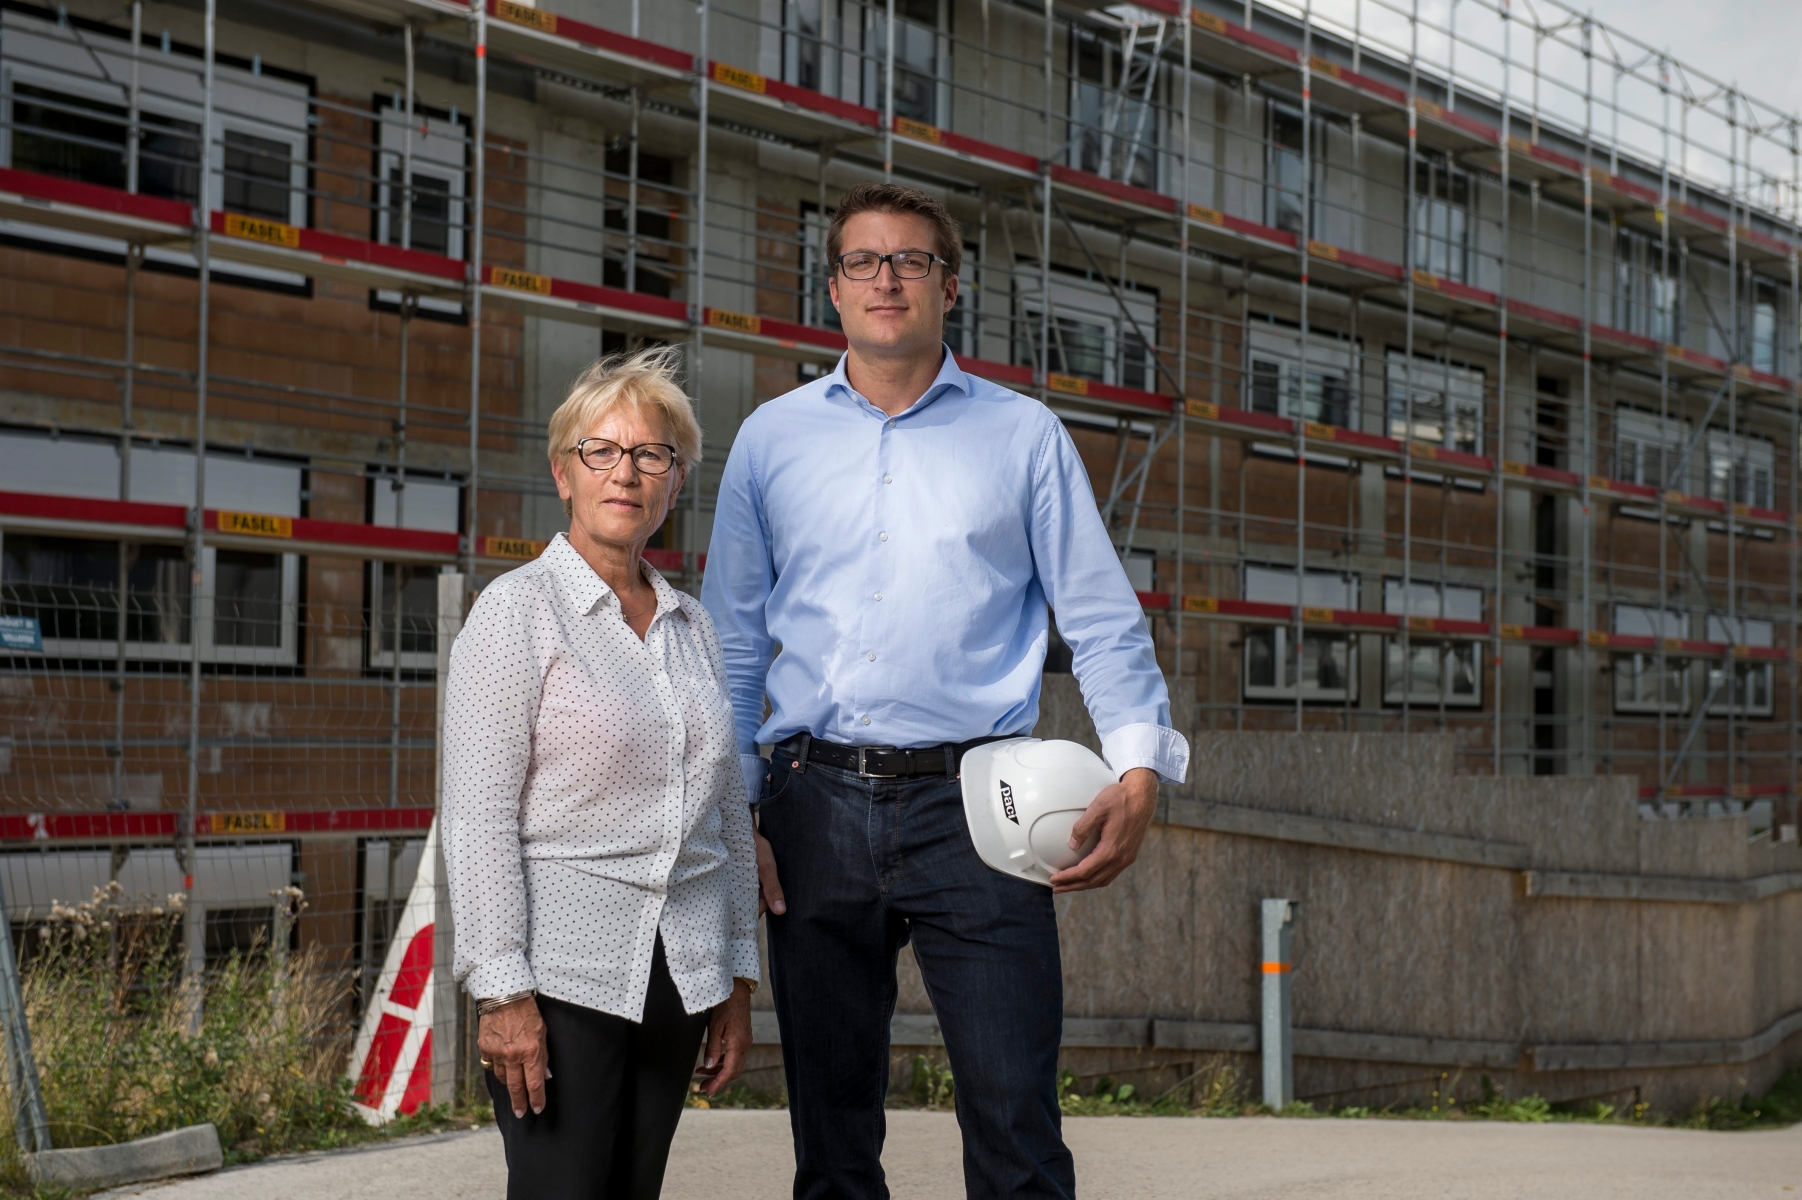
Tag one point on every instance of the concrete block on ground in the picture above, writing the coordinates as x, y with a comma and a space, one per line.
190, 1151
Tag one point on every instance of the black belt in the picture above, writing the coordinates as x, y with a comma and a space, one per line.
881, 762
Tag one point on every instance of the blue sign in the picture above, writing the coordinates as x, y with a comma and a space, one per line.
21, 635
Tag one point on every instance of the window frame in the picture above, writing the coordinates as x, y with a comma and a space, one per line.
1259, 581
1277, 346
1675, 624
1758, 631
441, 153
1456, 388
378, 607
1074, 297
1441, 593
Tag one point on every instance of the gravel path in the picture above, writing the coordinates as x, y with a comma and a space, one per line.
739, 1155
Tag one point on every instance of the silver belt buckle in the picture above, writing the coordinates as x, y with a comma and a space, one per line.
862, 772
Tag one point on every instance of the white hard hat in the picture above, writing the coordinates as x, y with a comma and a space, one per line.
1021, 798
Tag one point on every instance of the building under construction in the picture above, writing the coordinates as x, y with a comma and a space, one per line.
1434, 375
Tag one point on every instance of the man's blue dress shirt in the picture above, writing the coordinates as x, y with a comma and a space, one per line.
903, 566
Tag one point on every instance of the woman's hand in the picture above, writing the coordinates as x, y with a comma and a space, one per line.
511, 1040
728, 1038
769, 888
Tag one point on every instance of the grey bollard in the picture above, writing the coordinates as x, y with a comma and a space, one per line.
1276, 1040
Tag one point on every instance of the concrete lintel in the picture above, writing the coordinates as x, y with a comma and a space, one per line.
189, 1151
1606, 1056
1595, 885
1345, 835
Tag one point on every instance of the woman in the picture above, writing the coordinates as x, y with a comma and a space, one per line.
597, 839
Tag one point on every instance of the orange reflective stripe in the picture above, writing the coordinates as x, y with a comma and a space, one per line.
1275, 968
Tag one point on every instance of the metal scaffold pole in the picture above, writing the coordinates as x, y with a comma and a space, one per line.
1410, 268
1587, 460
1179, 406
1669, 334
697, 314
1499, 452
1301, 388
477, 226
194, 927
1792, 781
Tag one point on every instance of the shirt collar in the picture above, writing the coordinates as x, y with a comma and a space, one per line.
950, 378
586, 589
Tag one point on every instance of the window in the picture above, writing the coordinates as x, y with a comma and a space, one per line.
248, 598
387, 883
1089, 335
1283, 185
69, 118
1436, 672
922, 58
1639, 687
1645, 294
649, 271
1276, 376
1326, 667
1113, 98
435, 223
1752, 683
423, 504
1767, 303
805, 60
1647, 448
1740, 469
1448, 403
1441, 217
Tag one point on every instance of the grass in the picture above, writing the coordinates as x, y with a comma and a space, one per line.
1215, 1089
120, 1054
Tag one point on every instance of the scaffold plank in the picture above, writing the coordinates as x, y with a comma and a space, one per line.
786, 108
940, 151
535, 35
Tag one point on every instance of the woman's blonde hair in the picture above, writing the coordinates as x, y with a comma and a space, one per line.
646, 380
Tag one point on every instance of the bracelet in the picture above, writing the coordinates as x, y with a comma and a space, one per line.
484, 1007
748, 982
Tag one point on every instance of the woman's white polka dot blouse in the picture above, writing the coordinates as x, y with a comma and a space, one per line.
593, 797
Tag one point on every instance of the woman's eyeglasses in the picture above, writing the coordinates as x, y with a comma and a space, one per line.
648, 458
906, 264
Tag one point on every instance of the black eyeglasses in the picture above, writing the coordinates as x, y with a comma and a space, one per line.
906, 264
648, 458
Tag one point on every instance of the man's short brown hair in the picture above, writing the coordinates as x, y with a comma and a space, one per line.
894, 198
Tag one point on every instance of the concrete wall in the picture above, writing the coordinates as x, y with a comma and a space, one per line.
1413, 958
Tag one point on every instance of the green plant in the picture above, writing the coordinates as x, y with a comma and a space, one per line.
933, 1086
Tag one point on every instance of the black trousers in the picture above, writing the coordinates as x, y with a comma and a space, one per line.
611, 1105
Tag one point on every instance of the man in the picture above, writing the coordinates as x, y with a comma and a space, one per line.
897, 529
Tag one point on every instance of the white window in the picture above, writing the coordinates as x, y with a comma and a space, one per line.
387, 883
1276, 377
424, 504
1647, 448
1436, 672
1441, 217
1639, 687
1326, 667
234, 886
1752, 683
434, 222
1448, 403
66, 101
1646, 294
1090, 337
1114, 97
1741, 469
248, 598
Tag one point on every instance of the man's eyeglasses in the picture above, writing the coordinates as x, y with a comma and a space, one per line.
648, 458
906, 264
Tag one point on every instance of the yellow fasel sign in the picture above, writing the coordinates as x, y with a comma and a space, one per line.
255, 229
256, 524
919, 130
521, 14
524, 549
519, 281
247, 822
738, 322
1206, 604
1067, 383
750, 81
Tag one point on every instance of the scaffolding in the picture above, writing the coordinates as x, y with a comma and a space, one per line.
1399, 350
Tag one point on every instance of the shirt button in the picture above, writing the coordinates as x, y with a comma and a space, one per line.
872, 656
883, 538
878, 595
888, 479
866, 720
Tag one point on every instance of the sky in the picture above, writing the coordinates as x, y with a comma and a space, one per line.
1751, 42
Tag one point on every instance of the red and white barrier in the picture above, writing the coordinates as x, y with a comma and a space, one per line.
391, 1068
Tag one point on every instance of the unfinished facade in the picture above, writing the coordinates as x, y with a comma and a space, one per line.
291, 290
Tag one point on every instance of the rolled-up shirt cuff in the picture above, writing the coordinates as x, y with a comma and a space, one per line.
1157, 747
501, 976
755, 768
741, 956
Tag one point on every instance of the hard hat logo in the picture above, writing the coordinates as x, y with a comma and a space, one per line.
1021, 825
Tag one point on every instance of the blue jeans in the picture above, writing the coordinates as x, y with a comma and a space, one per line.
868, 865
